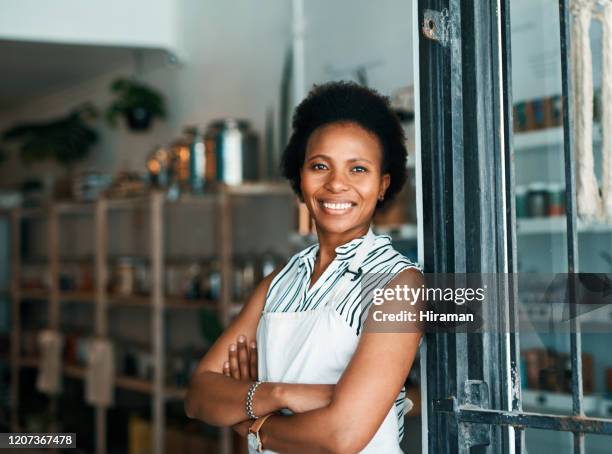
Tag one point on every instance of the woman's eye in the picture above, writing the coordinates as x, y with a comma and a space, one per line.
319, 166
359, 169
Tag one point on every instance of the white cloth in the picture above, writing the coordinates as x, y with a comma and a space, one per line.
315, 347
587, 190
606, 103
100, 378
49, 373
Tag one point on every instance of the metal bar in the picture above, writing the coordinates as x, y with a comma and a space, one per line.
509, 338
158, 334
570, 203
423, 355
524, 420
519, 440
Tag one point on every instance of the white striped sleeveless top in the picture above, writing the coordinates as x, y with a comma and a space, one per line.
288, 291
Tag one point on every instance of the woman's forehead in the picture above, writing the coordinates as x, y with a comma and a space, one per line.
343, 141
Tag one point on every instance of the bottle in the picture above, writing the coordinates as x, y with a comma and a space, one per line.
197, 160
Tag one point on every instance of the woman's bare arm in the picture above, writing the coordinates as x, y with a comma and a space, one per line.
362, 398
220, 400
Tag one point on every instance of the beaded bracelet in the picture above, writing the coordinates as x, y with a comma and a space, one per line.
249, 399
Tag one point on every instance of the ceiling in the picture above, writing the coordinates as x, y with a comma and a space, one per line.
31, 69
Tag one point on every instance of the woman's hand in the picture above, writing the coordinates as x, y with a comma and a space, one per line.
242, 360
242, 428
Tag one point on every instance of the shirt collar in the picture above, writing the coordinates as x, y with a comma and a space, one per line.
343, 252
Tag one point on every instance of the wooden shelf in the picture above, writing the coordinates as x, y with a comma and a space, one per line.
144, 301
34, 294
34, 212
129, 383
169, 302
554, 402
259, 188
28, 361
146, 387
74, 207
74, 371
77, 297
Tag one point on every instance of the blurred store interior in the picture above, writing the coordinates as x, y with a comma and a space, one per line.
140, 198
127, 215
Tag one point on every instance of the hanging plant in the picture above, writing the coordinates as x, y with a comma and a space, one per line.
138, 103
66, 140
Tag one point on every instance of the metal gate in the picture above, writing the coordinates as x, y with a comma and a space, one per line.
473, 384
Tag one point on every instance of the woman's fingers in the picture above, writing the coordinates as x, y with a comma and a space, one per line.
243, 357
233, 361
242, 360
253, 359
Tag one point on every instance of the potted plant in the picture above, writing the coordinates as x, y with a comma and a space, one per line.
137, 102
66, 139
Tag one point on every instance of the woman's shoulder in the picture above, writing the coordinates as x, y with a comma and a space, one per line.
385, 258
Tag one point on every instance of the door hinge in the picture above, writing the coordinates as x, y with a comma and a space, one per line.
436, 26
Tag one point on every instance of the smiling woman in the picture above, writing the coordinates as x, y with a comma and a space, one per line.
312, 381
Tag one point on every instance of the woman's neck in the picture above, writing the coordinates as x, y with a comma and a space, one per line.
328, 242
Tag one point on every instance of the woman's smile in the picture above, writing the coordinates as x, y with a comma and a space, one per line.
336, 208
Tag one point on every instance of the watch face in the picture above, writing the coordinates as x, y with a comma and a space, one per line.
253, 441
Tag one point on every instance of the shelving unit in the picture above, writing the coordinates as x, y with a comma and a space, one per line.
548, 225
102, 301
554, 402
544, 138
542, 248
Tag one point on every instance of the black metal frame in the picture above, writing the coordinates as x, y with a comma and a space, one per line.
469, 226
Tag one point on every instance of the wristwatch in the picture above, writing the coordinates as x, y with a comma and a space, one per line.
253, 438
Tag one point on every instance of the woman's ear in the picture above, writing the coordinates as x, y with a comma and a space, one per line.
384, 185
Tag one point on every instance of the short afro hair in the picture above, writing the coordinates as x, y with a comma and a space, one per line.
347, 102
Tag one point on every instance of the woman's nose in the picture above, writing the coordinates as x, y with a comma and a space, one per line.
336, 182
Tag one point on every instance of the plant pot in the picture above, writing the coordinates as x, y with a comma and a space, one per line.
139, 118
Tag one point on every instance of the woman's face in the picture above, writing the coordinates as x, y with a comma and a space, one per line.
341, 177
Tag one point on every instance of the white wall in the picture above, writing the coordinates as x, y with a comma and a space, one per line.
234, 55
234, 59
101, 22
346, 33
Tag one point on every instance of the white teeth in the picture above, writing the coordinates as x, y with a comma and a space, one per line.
336, 206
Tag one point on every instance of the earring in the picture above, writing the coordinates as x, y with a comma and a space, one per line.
381, 198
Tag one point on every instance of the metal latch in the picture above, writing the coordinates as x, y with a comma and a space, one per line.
475, 395
436, 26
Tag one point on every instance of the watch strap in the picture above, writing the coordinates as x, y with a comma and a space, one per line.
256, 426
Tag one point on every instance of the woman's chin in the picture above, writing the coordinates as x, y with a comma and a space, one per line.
336, 224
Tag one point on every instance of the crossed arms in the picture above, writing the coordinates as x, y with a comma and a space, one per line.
332, 418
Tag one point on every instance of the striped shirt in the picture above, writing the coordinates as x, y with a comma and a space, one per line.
289, 290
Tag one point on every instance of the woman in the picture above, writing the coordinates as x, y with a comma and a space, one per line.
325, 386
